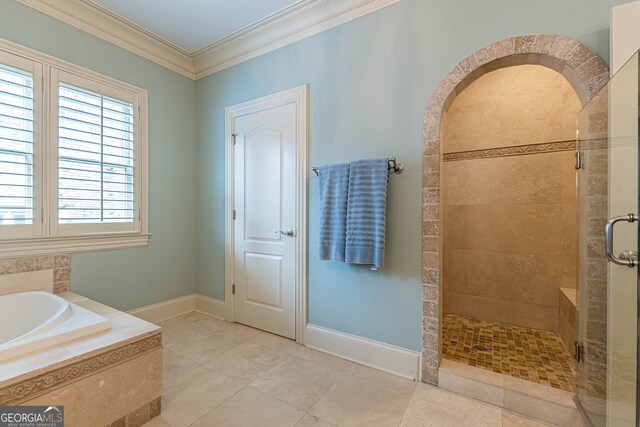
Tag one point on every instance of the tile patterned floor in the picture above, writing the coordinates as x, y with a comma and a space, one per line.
220, 374
529, 354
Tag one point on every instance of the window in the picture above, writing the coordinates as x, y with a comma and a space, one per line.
20, 142
72, 158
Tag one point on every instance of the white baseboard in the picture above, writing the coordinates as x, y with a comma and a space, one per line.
166, 309
175, 307
211, 306
385, 357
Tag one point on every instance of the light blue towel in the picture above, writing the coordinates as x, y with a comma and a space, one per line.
334, 184
367, 212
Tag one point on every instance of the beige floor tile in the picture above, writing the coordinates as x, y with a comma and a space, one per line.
431, 406
204, 320
312, 421
323, 359
510, 419
240, 330
174, 324
297, 382
204, 346
175, 365
179, 332
249, 357
192, 395
251, 407
353, 401
157, 422
232, 372
279, 343
236, 329
383, 379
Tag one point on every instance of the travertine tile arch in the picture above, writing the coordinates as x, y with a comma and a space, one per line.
584, 70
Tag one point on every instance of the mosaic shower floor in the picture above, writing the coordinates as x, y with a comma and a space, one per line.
529, 354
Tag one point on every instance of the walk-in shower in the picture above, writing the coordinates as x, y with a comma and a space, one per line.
510, 225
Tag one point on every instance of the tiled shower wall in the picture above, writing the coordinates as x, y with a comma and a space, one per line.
15, 273
510, 197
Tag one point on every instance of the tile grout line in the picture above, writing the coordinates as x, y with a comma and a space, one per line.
327, 391
188, 372
404, 413
218, 405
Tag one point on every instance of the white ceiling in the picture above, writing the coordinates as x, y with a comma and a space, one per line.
194, 24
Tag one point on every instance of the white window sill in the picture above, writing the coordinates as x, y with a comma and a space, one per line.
16, 248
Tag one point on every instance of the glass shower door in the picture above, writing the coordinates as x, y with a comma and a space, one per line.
608, 273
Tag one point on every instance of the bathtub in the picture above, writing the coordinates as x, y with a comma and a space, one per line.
31, 321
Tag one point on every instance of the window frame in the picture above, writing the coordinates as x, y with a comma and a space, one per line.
35, 228
57, 77
47, 235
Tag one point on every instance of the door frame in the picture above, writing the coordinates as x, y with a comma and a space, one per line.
299, 97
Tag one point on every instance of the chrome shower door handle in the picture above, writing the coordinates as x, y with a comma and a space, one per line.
626, 257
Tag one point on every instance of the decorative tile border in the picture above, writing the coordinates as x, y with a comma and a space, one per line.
41, 384
584, 70
515, 150
140, 416
599, 143
60, 264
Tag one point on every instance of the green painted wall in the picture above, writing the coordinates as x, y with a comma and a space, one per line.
127, 279
370, 81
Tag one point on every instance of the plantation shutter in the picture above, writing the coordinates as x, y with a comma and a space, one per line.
95, 157
16, 146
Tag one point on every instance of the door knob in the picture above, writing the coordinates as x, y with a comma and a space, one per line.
288, 233
628, 258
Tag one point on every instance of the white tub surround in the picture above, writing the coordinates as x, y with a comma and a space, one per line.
36, 320
121, 367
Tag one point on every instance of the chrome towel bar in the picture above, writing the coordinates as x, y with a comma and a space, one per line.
396, 167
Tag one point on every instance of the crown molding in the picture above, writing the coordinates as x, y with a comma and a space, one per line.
96, 20
299, 21
302, 20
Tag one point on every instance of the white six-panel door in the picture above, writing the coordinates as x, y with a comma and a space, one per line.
265, 220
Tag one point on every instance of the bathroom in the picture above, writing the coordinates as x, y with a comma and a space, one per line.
378, 79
